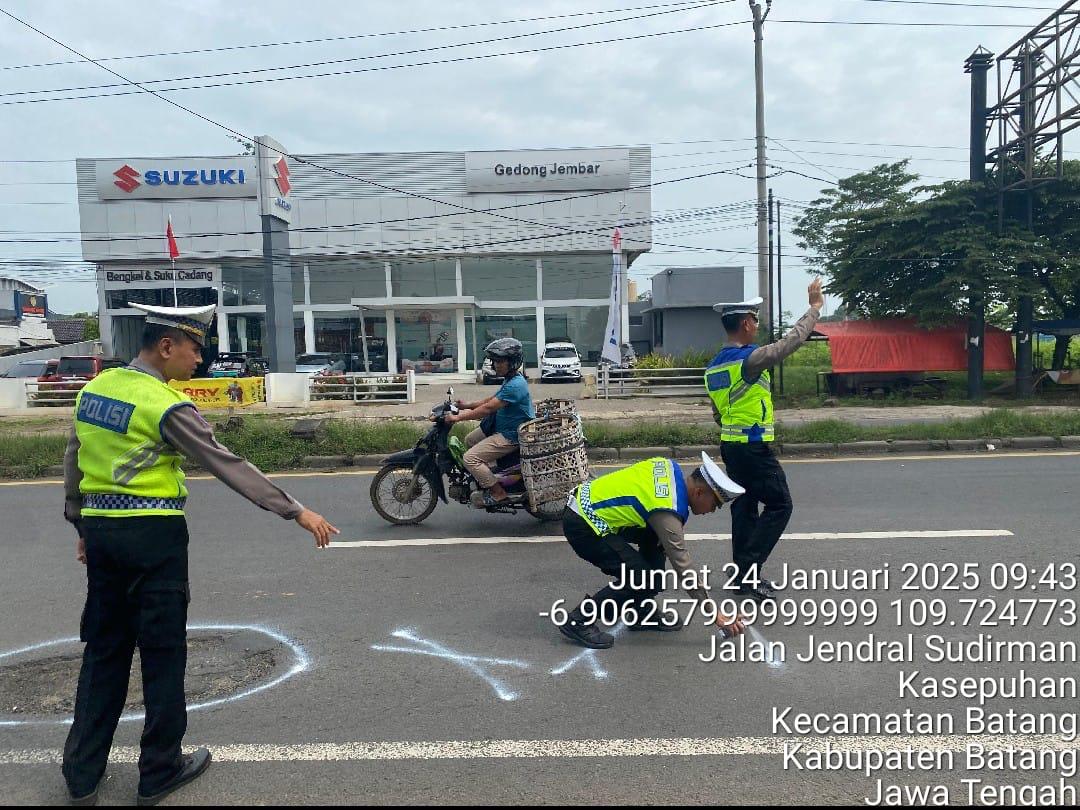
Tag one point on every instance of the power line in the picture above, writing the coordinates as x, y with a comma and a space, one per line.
894, 23
960, 5
320, 40
354, 71
352, 59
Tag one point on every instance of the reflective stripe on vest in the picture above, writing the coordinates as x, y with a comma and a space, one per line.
745, 408
625, 498
128, 469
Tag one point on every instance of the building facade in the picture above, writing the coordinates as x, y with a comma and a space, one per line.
680, 316
428, 254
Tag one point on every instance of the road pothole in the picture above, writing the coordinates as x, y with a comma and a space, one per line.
221, 663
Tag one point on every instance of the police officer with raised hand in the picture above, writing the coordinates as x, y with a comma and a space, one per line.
125, 494
740, 387
629, 524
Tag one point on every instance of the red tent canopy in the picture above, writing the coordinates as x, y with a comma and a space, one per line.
901, 345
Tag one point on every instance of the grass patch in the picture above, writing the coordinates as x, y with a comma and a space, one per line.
31, 454
269, 446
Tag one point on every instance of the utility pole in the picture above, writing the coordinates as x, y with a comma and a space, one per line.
772, 277
1025, 312
762, 215
978, 64
780, 283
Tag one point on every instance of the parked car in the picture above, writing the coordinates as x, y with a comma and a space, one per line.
83, 367
321, 363
31, 369
560, 362
233, 364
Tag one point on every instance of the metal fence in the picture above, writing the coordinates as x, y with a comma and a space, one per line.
649, 382
368, 389
46, 394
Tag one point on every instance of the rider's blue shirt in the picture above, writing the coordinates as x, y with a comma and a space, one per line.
518, 408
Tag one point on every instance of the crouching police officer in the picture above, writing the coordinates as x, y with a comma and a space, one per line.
740, 387
125, 494
645, 505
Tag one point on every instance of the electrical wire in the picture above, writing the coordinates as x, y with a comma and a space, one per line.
319, 40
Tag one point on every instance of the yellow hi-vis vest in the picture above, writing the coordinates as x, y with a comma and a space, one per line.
625, 498
128, 468
745, 408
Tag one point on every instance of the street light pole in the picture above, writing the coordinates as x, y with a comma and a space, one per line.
762, 192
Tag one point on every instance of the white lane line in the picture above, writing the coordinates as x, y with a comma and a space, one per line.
571, 749
944, 455
558, 538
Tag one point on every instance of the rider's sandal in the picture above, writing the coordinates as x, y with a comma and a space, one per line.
485, 500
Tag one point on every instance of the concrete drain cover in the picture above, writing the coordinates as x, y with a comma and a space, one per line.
220, 663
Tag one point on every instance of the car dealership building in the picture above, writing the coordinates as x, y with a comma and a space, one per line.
419, 249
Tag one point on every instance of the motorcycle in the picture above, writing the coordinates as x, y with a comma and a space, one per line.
410, 484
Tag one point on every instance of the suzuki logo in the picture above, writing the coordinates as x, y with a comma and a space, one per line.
282, 178
126, 178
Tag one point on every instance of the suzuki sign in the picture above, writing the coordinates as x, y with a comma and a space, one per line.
172, 179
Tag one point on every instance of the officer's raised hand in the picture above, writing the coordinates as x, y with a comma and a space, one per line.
318, 526
817, 299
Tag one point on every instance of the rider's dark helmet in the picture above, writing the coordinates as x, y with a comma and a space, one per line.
505, 349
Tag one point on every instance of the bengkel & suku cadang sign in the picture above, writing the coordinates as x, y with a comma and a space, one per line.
176, 179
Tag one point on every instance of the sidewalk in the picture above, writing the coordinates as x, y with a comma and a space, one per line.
692, 410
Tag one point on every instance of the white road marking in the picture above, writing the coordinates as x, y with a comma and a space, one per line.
301, 663
944, 455
589, 657
558, 538
470, 662
569, 749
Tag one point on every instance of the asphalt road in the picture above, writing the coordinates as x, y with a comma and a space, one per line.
426, 674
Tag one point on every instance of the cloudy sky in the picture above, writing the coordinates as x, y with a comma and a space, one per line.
842, 95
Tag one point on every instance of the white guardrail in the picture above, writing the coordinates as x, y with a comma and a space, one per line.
372, 389
649, 382
47, 394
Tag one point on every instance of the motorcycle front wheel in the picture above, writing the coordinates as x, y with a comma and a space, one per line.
399, 498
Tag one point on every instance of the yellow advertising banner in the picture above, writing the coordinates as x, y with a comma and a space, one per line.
223, 392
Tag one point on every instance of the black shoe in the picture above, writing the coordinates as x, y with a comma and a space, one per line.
192, 768
763, 592
86, 800
587, 635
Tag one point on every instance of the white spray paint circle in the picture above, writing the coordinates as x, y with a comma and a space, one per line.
301, 663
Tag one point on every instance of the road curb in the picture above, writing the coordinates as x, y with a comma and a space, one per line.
691, 453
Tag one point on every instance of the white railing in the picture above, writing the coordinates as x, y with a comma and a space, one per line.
649, 382
46, 394
371, 389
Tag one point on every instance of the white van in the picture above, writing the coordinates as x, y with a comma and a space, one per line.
560, 361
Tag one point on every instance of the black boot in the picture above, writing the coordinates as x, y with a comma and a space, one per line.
192, 766
585, 633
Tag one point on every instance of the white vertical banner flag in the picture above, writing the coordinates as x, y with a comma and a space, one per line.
613, 337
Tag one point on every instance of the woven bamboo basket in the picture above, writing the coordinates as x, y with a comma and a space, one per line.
553, 458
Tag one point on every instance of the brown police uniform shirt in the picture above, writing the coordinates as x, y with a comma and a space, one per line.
192, 436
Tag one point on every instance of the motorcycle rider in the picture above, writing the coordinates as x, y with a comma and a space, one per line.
501, 415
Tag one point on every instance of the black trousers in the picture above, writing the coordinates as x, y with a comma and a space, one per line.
137, 594
611, 552
753, 534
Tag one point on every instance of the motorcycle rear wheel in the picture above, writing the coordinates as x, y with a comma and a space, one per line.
549, 512
392, 499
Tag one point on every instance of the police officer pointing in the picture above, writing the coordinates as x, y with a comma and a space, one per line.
740, 387
125, 494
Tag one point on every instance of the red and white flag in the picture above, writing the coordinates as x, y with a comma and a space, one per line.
174, 251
